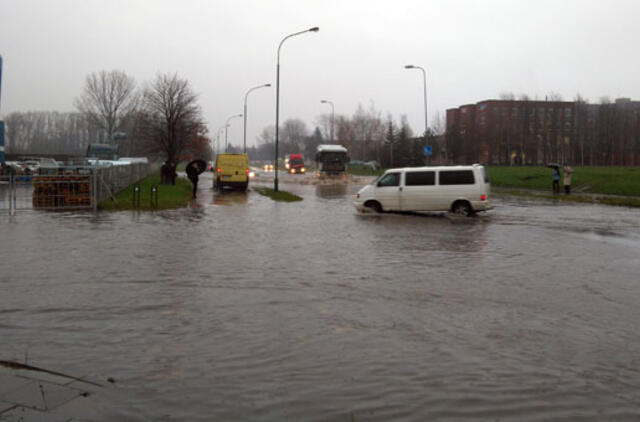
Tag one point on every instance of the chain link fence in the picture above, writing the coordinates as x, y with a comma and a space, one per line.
80, 188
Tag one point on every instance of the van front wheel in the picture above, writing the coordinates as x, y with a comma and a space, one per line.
374, 206
462, 208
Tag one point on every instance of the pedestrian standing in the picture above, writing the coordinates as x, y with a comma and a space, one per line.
556, 179
165, 179
568, 172
192, 173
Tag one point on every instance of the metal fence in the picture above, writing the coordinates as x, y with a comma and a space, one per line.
112, 179
82, 188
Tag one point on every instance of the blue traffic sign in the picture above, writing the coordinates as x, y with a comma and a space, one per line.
427, 150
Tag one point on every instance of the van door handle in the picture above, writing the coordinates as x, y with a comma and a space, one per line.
400, 188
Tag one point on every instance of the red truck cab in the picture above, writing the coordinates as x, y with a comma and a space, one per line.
296, 164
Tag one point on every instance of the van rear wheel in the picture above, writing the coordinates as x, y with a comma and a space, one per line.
462, 208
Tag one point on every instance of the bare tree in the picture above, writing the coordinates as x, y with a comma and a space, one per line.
171, 118
293, 133
107, 98
267, 136
554, 96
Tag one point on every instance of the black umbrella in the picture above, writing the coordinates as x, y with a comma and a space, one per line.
553, 165
197, 165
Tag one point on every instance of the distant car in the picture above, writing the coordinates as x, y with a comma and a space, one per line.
232, 170
32, 165
268, 167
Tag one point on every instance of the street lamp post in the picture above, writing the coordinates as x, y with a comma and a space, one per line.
332, 115
218, 134
226, 130
314, 29
424, 78
245, 112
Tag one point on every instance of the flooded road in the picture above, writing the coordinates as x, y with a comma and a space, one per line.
241, 308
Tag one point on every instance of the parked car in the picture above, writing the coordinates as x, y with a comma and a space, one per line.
231, 170
459, 189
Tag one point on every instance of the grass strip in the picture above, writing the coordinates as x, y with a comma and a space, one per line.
594, 180
281, 195
361, 170
586, 199
169, 196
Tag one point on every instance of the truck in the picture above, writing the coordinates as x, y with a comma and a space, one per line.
296, 164
331, 160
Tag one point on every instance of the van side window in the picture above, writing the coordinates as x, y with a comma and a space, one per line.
420, 178
457, 177
390, 179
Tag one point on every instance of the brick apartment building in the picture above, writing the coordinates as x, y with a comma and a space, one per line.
510, 132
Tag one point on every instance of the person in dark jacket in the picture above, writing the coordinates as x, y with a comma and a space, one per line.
555, 177
192, 173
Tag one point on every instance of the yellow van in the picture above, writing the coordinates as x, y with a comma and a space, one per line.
231, 170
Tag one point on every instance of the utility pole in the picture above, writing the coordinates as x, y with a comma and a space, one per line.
2, 156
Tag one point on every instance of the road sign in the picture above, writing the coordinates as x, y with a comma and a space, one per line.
427, 150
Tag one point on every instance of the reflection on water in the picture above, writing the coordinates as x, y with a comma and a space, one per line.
260, 310
331, 191
230, 197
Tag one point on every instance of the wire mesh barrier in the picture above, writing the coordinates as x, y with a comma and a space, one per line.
112, 179
82, 188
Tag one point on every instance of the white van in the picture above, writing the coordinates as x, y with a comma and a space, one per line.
459, 189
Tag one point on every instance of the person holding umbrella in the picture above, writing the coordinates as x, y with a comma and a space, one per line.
556, 177
568, 172
194, 168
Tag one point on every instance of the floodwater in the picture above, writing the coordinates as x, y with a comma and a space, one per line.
240, 308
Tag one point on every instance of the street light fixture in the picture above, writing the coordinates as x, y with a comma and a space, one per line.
245, 112
332, 115
424, 77
314, 29
226, 130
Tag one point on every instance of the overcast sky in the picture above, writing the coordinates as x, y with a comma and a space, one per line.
472, 51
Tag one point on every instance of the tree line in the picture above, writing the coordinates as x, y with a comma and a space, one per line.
366, 135
161, 119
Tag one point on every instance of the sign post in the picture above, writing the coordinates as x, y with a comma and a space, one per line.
2, 157
427, 150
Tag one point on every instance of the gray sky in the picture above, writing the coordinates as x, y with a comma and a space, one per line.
472, 51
